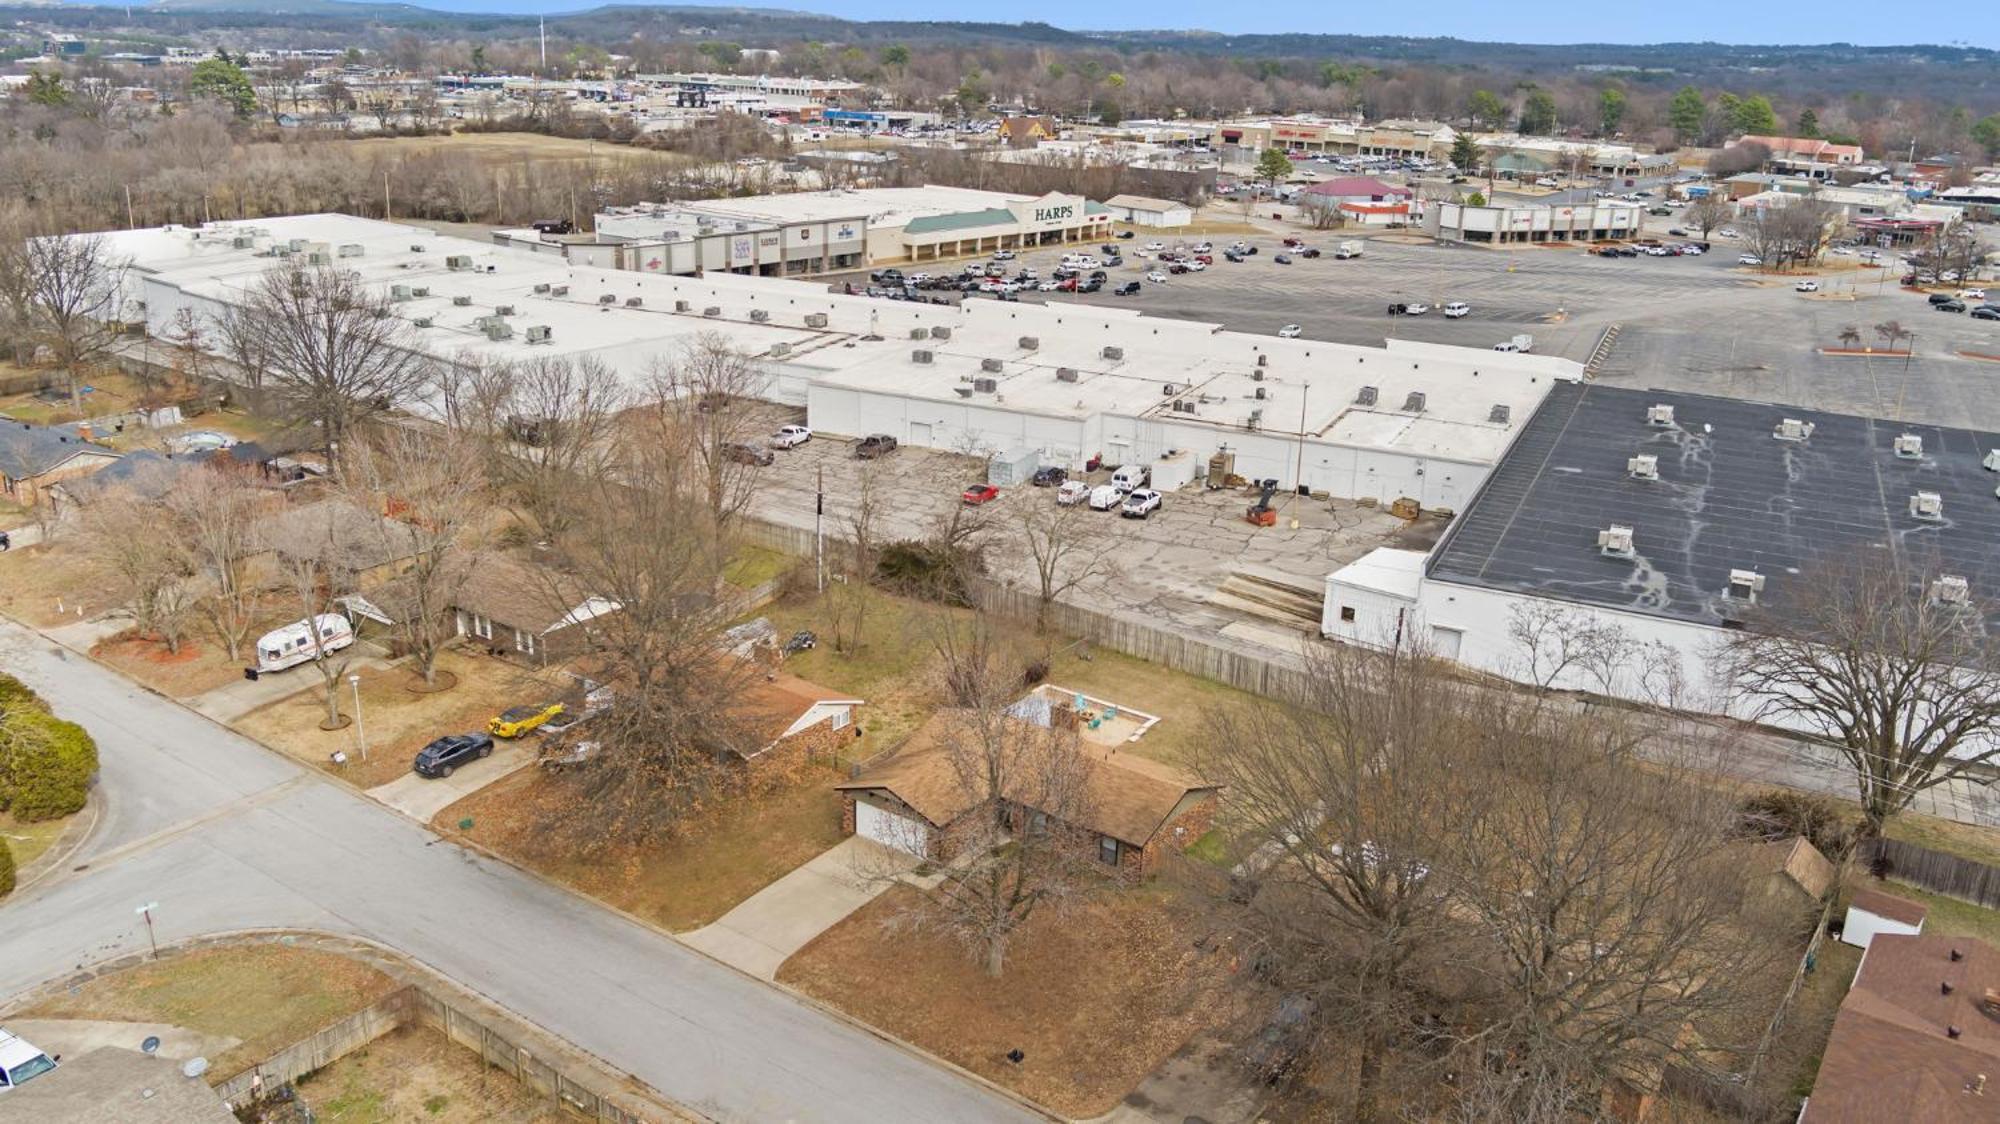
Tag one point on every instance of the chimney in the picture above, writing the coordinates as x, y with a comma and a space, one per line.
1952, 1032
1944, 988
83, 430
1956, 956
1979, 1085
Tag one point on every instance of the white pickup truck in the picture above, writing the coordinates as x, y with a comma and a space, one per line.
21, 1060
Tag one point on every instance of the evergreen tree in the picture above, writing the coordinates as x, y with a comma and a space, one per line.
1273, 165
1538, 114
1465, 152
1808, 126
1687, 113
224, 81
1610, 110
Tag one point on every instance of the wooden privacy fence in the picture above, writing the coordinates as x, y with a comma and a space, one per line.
1935, 871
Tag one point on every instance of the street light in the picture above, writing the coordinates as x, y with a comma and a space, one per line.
360, 731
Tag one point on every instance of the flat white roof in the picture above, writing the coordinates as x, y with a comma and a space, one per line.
884, 207
1386, 569
1230, 380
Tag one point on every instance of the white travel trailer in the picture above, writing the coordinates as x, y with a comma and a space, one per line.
293, 644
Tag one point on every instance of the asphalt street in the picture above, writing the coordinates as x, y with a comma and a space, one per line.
225, 835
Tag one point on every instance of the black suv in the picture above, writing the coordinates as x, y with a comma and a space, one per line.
442, 757
874, 445
1048, 476
1127, 289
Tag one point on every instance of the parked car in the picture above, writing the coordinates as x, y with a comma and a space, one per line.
1124, 234
1104, 497
1155, 247
1749, 259
1950, 306
1290, 332
1416, 308
1131, 477
442, 757
1073, 492
979, 494
1309, 251
1127, 289
1232, 255
566, 751
1003, 255
874, 445
1156, 277
1806, 287
516, 721
1282, 259
1941, 298
1972, 294
886, 277
22, 1061
1457, 309
1049, 475
748, 454
1140, 504
1398, 309
1986, 312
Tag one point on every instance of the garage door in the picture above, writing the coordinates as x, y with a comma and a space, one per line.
891, 830
920, 434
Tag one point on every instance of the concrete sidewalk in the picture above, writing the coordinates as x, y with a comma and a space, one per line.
239, 697
423, 797
76, 1037
775, 922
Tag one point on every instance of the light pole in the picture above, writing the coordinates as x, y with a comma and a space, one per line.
360, 731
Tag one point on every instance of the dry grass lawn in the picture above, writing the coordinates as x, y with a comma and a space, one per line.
729, 854
29, 841
416, 1073
201, 664
1179, 700
267, 995
109, 391
47, 584
397, 720
504, 147
1096, 1000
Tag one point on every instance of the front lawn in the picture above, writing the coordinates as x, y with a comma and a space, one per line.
29, 841
200, 666
52, 584
723, 857
267, 995
1095, 1001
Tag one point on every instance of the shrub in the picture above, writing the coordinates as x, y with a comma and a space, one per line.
1826, 823
15, 694
45, 764
6, 869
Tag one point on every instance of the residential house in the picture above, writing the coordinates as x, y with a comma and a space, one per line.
1872, 914
530, 613
34, 458
1139, 810
112, 1083
1026, 131
785, 718
1917, 1038
1809, 156
1140, 210
355, 548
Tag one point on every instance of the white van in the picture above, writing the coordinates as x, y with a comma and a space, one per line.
1104, 497
293, 644
1131, 476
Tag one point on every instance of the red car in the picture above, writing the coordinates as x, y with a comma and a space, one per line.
980, 493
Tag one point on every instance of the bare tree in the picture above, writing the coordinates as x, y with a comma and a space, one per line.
1710, 212
712, 387
213, 513
337, 356
1561, 647
847, 605
78, 293
1892, 332
1887, 662
17, 282
1321, 212
241, 340
548, 425
1067, 547
120, 529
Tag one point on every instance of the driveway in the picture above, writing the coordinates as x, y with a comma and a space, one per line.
420, 798
77, 1037
239, 697
225, 835
769, 926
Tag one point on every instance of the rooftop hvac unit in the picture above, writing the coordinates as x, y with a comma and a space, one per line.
503, 310
1951, 590
1415, 402
352, 250
1992, 461
559, 290
295, 245
539, 333
1263, 360
1030, 343
1792, 429
542, 286
1661, 414
780, 350
1910, 447
920, 333
985, 386
1260, 393
458, 261
815, 319
1257, 375
1615, 541
1645, 466
940, 332
608, 298
423, 322
1168, 390
1255, 422
922, 355
760, 315
420, 291
242, 242
461, 302
635, 302
962, 391
1745, 584
417, 247
1927, 505
317, 257
683, 306
1065, 374
1183, 406
711, 311
1500, 414
1367, 396
993, 365
399, 292
499, 330
1113, 353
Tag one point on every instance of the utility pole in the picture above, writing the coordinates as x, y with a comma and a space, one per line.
1299, 470
545, 44
130, 222
385, 195
819, 531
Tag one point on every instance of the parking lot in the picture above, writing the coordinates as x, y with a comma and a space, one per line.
1689, 323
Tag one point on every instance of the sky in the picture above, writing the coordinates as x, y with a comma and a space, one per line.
1533, 21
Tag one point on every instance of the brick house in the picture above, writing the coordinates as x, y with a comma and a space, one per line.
524, 612
33, 458
1139, 811
786, 719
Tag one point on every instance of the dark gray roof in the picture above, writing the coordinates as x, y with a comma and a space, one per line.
27, 451
1730, 496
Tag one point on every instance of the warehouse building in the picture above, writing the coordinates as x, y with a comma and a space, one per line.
1071, 382
663, 238
1603, 219
1670, 516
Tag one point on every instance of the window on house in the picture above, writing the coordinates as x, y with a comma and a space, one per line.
524, 642
482, 627
1347, 613
841, 718
1107, 850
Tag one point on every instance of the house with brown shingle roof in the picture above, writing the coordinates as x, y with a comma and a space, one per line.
1917, 1038
531, 613
782, 718
1140, 810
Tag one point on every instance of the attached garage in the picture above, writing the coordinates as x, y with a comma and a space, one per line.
904, 833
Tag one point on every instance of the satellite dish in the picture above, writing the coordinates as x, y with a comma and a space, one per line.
194, 1067
150, 1046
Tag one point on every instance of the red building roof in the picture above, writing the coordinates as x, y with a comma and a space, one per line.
1360, 187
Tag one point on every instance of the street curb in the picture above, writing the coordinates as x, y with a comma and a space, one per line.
66, 847
839, 1016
